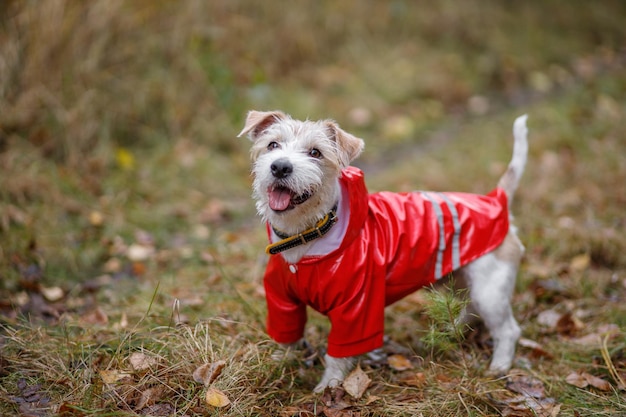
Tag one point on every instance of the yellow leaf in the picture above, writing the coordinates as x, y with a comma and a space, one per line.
125, 159
580, 262
96, 218
216, 398
399, 363
112, 376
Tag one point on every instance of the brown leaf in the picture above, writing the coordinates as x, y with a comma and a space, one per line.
356, 383
97, 316
584, 379
595, 339
526, 385
523, 406
149, 397
576, 379
70, 410
399, 362
415, 380
537, 349
208, 372
216, 398
568, 324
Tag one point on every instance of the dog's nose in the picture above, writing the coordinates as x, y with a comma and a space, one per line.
281, 168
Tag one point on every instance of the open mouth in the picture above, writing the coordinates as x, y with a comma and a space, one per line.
282, 198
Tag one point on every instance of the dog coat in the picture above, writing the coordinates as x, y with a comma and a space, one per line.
394, 244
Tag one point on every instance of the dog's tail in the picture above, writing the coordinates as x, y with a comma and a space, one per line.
510, 180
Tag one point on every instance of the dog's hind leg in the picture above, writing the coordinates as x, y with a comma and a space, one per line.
491, 282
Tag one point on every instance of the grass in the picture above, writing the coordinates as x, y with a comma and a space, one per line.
124, 188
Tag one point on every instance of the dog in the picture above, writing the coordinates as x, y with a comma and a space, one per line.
348, 254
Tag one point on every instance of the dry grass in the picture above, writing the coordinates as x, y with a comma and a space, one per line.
124, 188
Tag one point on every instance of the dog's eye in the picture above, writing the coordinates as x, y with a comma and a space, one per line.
315, 153
272, 146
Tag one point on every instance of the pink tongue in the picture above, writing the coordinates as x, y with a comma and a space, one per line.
280, 199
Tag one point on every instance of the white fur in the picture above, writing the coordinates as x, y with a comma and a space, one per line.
335, 372
491, 282
490, 279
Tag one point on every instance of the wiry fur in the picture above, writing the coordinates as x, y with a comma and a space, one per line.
490, 279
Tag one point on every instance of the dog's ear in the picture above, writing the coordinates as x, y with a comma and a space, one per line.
348, 145
258, 121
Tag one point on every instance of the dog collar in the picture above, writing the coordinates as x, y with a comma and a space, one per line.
288, 242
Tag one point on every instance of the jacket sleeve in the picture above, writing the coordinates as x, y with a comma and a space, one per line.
358, 321
286, 315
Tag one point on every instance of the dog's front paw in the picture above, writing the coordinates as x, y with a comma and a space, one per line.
335, 372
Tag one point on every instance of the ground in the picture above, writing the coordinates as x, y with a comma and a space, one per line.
131, 257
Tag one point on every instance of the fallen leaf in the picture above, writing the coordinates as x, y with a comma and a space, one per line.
526, 385
97, 316
576, 379
52, 294
216, 398
568, 324
138, 252
595, 339
580, 262
537, 349
523, 406
140, 361
371, 399
70, 410
356, 383
584, 379
548, 318
399, 362
415, 380
160, 409
209, 372
138, 268
334, 398
149, 397
125, 159
123, 321
113, 376
96, 218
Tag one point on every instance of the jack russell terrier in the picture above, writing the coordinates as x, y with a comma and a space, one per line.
348, 254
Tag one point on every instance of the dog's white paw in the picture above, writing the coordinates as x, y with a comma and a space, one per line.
335, 372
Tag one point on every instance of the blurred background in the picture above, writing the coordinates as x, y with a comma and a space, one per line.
118, 116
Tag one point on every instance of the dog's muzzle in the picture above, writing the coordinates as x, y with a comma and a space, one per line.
282, 198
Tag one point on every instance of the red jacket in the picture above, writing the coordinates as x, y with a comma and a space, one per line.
394, 245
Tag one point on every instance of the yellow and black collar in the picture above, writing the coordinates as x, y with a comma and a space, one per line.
288, 242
